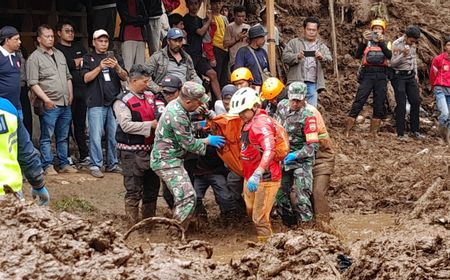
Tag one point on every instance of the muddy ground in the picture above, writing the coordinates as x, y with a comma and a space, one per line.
390, 200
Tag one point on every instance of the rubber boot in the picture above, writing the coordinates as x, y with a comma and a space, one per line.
148, 210
132, 213
320, 188
349, 123
374, 127
447, 135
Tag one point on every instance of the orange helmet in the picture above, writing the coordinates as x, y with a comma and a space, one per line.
271, 88
378, 22
241, 73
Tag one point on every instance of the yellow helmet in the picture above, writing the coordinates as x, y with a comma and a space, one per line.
271, 88
241, 73
378, 22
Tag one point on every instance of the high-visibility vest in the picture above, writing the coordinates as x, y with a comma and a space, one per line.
10, 173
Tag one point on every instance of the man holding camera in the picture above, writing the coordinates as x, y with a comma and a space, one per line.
236, 34
102, 72
372, 75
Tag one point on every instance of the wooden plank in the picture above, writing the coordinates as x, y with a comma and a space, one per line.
270, 12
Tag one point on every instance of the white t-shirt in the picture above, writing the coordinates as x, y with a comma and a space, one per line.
219, 108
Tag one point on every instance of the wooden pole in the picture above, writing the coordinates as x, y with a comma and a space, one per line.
270, 12
333, 37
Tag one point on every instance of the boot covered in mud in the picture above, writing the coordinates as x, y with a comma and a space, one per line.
447, 135
375, 127
132, 213
349, 123
321, 208
148, 210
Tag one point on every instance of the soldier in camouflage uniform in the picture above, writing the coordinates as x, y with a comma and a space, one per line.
173, 140
294, 199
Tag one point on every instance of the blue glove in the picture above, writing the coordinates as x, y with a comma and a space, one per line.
290, 157
216, 141
253, 181
42, 195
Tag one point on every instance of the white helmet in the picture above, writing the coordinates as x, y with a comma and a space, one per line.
243, 99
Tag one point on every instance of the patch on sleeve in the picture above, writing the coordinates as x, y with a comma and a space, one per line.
311, 132
3, 125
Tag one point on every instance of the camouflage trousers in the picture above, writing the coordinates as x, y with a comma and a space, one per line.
179, 184
294, 199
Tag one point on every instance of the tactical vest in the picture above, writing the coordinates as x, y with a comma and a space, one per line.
141, 110
10, 173
373, 56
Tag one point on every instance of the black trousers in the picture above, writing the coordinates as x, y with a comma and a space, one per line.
26, 110
79, 120
140, 181
406, 87
376, 82
222, 59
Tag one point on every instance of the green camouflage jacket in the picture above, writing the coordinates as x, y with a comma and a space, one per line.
301, 126
174, 138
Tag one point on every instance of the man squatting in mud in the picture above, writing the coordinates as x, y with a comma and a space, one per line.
173, 140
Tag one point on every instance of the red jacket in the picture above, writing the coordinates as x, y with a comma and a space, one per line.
440, 71
258, 147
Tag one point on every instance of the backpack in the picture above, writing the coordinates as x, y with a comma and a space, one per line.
282, 146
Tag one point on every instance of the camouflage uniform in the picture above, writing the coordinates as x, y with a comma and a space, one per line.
293, 201
173, 140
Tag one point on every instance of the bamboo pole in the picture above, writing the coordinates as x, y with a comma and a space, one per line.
270, 12
334, 41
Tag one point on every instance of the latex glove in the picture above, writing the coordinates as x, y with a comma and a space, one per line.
290, 157
216, 141
253, 181
42, 195
202, 123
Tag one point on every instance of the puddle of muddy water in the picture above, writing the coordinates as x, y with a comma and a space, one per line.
354, 227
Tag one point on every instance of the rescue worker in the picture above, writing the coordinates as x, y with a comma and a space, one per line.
373, 76
10, 172
323, 168
136, 123
405, 82
294, 199
270, 92
440, 83
262, 173
242, 77
173, 140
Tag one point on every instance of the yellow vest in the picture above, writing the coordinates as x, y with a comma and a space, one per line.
10, 173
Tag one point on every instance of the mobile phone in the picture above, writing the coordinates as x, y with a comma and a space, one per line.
309, 53
244, 30
109, 54
374, 35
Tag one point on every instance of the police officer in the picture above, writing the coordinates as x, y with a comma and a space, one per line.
373, 75
173, 140
294, 199
134, 110
405, 81
10, 172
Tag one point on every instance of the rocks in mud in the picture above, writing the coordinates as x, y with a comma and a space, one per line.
402, 256
304, 254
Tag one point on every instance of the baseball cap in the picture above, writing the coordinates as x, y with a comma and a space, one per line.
8, 32
174, 33
228, 91
99, 33
192, 90
297, 91
171, 83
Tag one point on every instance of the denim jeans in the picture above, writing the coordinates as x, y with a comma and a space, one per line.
311, 94
102, 119
28, 156
55, 121
218, 182
443, 103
